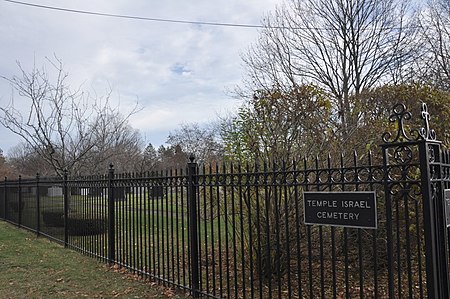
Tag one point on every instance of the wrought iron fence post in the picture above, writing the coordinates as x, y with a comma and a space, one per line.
388, 209
20, 201
418, 147
436, 249
111, 225
193, 230
38, 207
66, 209
5, 215
436, 246
2, 210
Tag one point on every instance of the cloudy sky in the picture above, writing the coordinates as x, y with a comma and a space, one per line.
179, 73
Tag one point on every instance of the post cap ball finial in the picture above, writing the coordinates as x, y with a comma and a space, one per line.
191, 157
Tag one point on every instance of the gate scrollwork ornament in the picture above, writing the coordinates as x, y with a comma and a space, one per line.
399, 116
425, 132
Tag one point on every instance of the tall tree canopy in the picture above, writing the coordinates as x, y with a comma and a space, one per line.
342, 46
280, 125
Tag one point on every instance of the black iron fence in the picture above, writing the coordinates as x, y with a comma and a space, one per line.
237, 231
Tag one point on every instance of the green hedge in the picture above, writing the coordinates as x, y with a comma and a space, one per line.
53, 218
78, 225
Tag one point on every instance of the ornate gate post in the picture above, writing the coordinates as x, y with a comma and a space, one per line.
413, 172
436, 246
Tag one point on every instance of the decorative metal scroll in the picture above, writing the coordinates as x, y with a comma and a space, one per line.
425, 132
400, 115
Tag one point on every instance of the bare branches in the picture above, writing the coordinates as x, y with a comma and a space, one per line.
434, 61
342, 46
63, 126
199, 140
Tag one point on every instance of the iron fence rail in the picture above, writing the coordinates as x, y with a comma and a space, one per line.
237, 231
251, 240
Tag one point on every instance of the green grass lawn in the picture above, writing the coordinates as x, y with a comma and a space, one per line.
33, 267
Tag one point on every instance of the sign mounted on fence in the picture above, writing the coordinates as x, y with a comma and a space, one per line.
447, 206
348, 209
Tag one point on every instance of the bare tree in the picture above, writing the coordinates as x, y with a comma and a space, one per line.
434, 61
59, 124
27, 162
343, 46
114, 142
202, 141
7, 169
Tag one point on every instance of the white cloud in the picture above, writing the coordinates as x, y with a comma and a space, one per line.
178, 72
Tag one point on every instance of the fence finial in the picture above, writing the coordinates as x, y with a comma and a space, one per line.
192, 157
399, 115
425, 132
